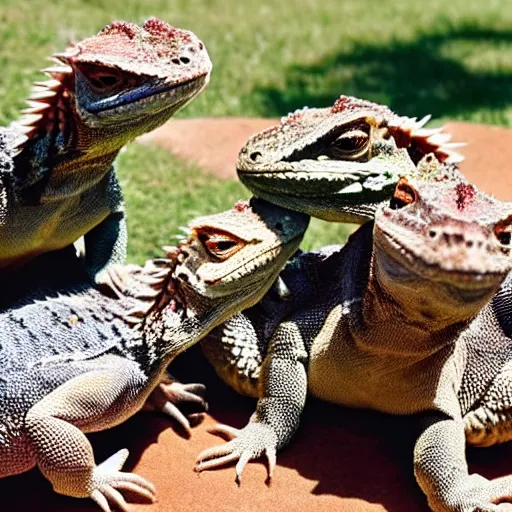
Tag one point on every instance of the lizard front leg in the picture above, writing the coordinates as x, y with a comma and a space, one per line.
490, 422
282, 395
105, 245
95, 400
441, 470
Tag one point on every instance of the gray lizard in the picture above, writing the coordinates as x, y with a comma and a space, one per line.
74, 360
399, 320
102, 92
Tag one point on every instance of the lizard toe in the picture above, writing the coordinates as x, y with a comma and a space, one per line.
174, 413
177, 392
249, 443
168, 395
107, 482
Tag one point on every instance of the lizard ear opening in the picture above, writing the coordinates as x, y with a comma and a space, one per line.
404, 195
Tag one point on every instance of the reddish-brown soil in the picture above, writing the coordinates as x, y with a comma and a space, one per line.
341, 460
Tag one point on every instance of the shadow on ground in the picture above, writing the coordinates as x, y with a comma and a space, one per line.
450, 72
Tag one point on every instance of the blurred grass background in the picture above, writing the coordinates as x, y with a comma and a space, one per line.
450, 59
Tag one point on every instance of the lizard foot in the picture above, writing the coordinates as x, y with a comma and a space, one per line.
115, 279
245, 444
168, 394
107, 480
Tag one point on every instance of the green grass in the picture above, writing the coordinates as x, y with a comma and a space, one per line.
451, 59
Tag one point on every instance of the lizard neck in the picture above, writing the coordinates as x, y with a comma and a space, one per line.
411, 326
60, 155
168, 332
165, 320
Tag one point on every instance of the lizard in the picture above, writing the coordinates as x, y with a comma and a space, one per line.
74, 360
102, 92
406, 309
339, 163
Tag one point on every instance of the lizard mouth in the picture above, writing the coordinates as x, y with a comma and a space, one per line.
402, 263
162, 97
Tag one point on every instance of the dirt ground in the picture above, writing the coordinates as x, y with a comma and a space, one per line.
341, 460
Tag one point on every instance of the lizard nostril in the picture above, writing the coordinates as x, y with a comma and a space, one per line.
184, 60
175, 61
255, 156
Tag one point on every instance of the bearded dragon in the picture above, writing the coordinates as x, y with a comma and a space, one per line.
402, 320
102, 93
339, 163
74, 360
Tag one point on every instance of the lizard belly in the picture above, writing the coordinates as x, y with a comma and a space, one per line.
33, 230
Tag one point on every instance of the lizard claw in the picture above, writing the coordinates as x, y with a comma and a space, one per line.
246, 444
107, 480
169, 394
115, 279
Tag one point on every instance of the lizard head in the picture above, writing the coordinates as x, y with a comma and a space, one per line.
324, 160
231, 259
124, 81
225, 264
442, 248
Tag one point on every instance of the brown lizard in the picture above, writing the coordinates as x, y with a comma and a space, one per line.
102, 93
399, 320
339, 163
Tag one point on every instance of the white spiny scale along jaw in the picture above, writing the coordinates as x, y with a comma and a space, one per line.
232, 258
443, 239
407, 132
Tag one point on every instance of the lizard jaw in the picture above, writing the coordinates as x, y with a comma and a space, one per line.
143, 102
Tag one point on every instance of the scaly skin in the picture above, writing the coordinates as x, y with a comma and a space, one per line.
103, 92
74, 360
406, 310
339, 163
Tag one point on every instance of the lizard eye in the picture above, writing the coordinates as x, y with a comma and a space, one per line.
404, 195
503, 231
104, 80
220, 246
352, 143
100, 77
